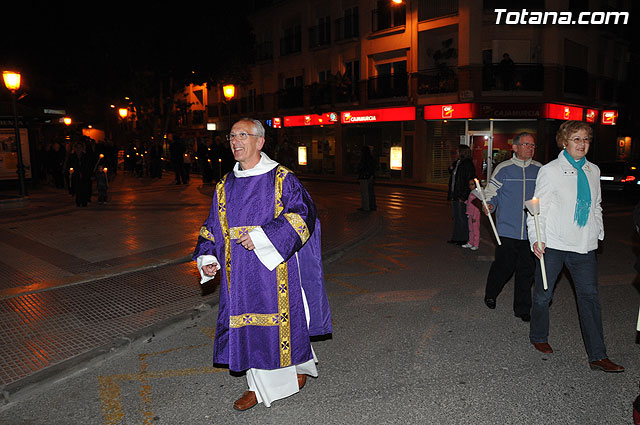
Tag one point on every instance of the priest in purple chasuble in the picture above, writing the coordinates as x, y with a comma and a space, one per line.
263, 235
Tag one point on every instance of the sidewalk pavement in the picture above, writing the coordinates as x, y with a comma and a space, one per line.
79, 283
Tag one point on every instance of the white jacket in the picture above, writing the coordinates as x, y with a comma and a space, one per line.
556, 188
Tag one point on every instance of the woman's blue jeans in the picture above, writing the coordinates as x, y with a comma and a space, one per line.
583, 269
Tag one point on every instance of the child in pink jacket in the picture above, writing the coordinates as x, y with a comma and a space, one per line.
473, 214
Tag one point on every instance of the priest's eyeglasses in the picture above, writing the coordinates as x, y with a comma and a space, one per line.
242, 136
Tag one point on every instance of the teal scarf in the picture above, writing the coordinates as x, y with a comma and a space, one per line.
583, 201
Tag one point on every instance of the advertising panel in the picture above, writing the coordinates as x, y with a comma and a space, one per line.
9, 154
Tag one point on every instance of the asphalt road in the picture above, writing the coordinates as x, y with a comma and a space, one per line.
412, 343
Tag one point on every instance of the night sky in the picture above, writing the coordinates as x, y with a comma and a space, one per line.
68, 50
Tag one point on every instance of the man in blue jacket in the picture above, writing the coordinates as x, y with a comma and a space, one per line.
512, 183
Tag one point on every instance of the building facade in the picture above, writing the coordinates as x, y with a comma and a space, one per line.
414, 79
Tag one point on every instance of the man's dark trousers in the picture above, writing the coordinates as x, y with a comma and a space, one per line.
513, 255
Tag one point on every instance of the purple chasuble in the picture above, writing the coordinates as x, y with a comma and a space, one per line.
261, 319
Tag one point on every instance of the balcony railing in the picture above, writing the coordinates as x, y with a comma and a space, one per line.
320, 94
388, 86
290, 98
346, 28
521, 77
438, 80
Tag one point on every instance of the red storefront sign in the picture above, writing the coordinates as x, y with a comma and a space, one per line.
563, 112
609, 117
591, 115
311, 119
277, 123
449, 112
379, 115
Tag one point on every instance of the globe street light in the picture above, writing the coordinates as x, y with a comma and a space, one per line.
229, 91
12, 82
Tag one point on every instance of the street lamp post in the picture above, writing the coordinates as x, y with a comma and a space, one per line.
12, 82
229, 91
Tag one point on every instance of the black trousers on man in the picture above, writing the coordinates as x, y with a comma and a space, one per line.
513, 255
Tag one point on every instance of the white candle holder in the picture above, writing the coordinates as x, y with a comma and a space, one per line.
533, 205
480, 192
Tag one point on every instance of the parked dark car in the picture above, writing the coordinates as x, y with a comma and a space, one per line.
620, 176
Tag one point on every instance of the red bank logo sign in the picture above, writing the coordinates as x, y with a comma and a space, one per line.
379, 115
591, 115
448, 112
609, 117
277, 123
563, 112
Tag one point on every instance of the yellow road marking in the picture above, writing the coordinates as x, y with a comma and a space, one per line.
109, 386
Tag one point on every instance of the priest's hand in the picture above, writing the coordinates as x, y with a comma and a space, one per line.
210, 269
246, 242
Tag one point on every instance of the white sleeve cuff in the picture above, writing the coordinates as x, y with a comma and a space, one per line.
205, 260
264, 249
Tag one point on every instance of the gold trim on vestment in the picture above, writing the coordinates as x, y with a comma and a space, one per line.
283, 310
237, 232
282, 276
281, 173
298, 225
222, 216
254, 319
205, 233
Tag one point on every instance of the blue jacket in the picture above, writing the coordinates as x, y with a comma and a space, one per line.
512, 183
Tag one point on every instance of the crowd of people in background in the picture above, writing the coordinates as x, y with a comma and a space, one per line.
79, 165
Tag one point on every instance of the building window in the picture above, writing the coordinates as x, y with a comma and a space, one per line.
347, 83
438, 60
320, 35
264, 47
324, 76
349, 26
321, 91
388, 15
391, 81
291, 41
432, 9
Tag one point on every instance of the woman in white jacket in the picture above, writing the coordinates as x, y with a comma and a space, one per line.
570, 226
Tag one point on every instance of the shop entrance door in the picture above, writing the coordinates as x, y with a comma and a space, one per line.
480, 144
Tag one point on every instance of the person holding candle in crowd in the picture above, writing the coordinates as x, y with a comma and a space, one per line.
568, 189
512, 183
462, 170
263, 233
